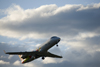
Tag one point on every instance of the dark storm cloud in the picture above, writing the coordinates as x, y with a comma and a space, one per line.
78, 59
47, 20
93, 41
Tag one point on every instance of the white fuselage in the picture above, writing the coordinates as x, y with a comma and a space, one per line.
50, 43
43, 48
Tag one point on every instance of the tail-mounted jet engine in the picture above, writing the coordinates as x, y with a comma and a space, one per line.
24, 56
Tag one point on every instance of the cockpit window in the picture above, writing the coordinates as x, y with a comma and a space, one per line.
53, 37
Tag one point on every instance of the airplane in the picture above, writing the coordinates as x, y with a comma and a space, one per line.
42, 51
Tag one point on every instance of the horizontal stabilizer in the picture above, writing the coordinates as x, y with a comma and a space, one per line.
48, 54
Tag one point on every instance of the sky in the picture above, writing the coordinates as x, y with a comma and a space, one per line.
26, 24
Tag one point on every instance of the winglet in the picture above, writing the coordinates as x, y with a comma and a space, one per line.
4, 51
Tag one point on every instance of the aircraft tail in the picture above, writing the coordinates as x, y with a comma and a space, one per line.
20, 57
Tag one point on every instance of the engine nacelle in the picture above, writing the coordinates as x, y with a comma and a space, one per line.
24, 56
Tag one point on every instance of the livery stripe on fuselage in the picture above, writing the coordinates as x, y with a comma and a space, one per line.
27, 59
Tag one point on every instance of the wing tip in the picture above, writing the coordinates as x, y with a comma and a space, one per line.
4, 51
61, 57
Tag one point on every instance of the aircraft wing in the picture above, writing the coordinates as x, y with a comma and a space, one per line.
22, 53
48, 54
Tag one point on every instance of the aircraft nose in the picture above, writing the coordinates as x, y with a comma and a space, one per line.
59, 39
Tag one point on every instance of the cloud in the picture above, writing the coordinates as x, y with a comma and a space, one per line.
85, 35
92, 6
49, 20
17, 63
30, 65
49, 60
10, 56
2, 56
74, 56
4, 62
13, 60
77, 25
